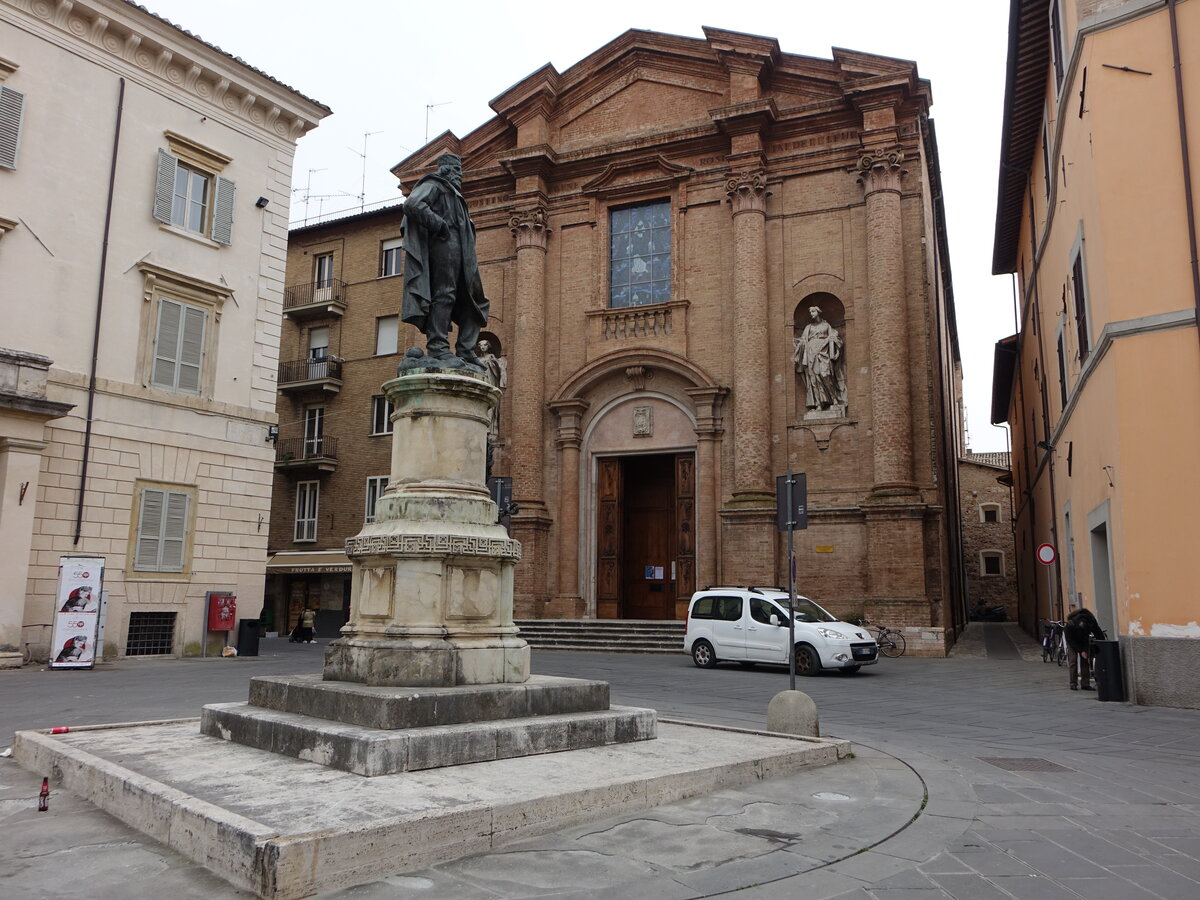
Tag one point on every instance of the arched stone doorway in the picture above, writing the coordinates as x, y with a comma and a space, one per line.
638, 437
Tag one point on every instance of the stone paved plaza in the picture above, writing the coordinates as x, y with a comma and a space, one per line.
978, 776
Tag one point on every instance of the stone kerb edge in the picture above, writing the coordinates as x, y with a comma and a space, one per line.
199, 830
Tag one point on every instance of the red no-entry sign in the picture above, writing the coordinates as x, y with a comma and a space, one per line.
1046, 554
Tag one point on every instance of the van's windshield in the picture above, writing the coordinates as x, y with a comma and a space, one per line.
806, 611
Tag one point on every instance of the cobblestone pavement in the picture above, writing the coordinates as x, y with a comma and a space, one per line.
974, 778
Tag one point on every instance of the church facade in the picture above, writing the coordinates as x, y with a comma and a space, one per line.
709, 262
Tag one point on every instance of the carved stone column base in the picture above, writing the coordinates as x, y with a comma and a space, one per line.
432, 585
427, 663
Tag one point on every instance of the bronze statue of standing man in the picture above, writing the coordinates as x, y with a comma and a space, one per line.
441, 274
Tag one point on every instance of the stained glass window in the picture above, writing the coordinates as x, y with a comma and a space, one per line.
640, 255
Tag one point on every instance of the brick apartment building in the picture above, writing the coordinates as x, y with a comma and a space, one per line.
655, 225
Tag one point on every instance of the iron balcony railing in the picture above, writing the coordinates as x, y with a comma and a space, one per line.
299, 370
298, 449
328, 291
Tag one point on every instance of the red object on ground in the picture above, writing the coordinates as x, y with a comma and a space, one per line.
44, 796
61, 729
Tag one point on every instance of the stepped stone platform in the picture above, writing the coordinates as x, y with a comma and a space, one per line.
604, 635
286, 828
375, 730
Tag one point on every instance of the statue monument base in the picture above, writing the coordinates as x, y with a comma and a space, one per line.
430, 670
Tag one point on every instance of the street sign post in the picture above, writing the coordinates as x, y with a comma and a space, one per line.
791, 512
1047, 556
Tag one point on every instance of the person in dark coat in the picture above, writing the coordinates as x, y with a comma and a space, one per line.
1081, 625
441, 272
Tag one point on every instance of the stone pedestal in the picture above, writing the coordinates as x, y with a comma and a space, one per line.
432, 585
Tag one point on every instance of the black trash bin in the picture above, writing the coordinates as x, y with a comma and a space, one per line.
247, 641
1110, 683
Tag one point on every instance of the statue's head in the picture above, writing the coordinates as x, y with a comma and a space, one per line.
484, 345
450, 167
815, 312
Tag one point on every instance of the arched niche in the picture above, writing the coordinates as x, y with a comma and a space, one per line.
819, 357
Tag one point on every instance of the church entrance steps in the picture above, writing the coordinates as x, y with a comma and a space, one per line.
604, 635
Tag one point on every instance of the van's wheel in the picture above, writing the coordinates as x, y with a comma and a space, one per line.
807, 661
703, 655
848, 670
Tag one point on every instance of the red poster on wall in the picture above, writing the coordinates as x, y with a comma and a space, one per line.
222, 612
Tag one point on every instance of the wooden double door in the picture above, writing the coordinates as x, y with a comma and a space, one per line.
646, 552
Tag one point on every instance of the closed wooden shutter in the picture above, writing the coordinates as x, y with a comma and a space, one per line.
178, 347
164, 186
174, 535
222, 222
191, 350
149, 538
166, 343
12, 103
162, 531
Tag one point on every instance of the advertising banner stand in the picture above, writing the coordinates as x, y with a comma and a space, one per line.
77, 612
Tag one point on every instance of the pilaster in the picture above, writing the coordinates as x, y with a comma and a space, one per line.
569, 440
880, 172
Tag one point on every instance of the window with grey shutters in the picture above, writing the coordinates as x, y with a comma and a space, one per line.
193, 199
162, 531
12, 103
178, 347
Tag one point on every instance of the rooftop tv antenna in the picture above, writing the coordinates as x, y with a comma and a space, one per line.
428, 107
362, 196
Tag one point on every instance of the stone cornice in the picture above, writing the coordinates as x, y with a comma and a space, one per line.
132, 41
7, 67
6, 225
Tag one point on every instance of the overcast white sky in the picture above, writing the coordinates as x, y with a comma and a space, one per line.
386, 67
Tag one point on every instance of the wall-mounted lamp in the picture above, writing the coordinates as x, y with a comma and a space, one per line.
272, 433
261, 202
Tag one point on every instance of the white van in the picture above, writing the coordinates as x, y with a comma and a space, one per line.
749, 625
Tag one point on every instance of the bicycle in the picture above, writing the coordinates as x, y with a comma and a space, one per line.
1054, 642
889, 640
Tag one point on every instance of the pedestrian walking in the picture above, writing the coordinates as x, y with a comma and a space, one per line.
1081, 626
308, 619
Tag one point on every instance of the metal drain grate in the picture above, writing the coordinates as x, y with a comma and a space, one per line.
1023, 764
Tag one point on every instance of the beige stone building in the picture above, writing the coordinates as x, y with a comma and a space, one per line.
656, 225
144, 191
985, 498
1101, 385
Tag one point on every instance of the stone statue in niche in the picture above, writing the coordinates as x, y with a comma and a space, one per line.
820, 362
495, 369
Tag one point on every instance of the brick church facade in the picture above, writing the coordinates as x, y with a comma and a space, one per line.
709, 261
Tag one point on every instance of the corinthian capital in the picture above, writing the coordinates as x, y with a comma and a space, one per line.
880, 170
747, 192
530, 229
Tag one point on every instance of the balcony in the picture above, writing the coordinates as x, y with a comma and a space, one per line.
662, 326
311, 376
306, 456
312, 301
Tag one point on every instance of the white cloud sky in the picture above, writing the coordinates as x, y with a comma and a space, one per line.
387, 67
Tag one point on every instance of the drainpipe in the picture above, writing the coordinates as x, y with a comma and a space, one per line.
1187, 165
91, 403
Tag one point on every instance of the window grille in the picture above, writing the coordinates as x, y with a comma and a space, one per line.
150, 634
